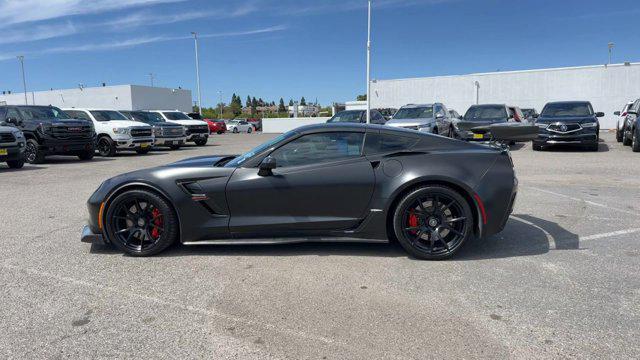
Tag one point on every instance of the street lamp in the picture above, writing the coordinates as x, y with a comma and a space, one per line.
369, 65
24, 81
151, 77
195, 39
221, 105
610, 46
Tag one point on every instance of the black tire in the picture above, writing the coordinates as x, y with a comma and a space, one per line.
220, 132
626, 141
15, 164
437, 212
619, 134
32, 154
87, 155
175, 147
537, 147
635, 142
235, 130
131, 219
144, 151
249, 130
201, 142
451, 132
106, 147
593, 147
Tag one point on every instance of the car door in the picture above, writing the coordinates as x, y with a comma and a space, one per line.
322, 182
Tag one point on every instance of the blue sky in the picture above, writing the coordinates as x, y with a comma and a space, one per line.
286, 48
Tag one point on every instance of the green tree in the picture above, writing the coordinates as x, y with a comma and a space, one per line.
254, 104
303, 102
362, 97
281, 107
248, 103
290, 102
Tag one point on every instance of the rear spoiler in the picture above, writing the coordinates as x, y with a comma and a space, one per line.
502, 132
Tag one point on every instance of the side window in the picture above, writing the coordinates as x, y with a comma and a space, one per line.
79, 115
13, 113
439, 110
386, 143
319, 148
377, 118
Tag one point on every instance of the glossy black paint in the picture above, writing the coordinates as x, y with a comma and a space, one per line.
342, 199
575, 132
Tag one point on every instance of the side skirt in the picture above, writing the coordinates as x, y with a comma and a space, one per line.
292, 240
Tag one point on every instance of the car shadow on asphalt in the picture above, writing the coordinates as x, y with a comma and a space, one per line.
27, 167
72, 160
524, 235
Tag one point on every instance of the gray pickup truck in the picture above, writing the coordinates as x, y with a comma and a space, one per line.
12, 145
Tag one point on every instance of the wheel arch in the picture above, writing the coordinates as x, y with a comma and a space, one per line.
463, 190
147, 187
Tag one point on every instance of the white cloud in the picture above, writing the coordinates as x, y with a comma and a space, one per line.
146, 18
350, 5
21, 11
40, 32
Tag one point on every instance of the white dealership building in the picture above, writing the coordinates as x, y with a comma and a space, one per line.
120, 97
608, 87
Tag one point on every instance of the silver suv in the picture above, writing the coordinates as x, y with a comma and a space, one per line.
432, 118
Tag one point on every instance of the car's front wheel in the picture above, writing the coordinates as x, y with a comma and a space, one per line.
433, 222
635, 142
141, 223
106, 147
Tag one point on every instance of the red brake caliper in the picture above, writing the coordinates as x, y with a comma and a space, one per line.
413, 221
157, 221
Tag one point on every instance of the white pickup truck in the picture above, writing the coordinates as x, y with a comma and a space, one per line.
115, 132
197, 130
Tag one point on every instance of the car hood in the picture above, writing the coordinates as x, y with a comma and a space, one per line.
67, 122
409, 122
567, 119
188, 122
200, 161
487, 121
7, 129
125, 123
166, 125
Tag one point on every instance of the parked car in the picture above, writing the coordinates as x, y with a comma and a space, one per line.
431, 118
387, 112
115, 132
631, 135
12, 145
622, 121
568, 122
358, 117
197, 130
49, 131
195, 116
454, 114
483, 115
216, 126
257, 123
361, 188
165, 134
530, 114
238, 126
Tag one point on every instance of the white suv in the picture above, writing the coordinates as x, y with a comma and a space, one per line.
197, 130
115, 132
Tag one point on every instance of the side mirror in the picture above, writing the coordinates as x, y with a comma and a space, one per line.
439, 116
266, 166
616, 113
12, 120
599, 114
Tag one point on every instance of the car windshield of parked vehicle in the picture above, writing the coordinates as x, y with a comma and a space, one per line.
528, 112
425, 112
147, 117
567, 110
484, 113
259, 149
176, 115
42, 112
349, 116
107, 115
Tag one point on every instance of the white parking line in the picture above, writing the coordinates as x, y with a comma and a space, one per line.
583, 200
610, 234
550, 239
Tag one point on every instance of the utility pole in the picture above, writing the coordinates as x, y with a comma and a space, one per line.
152, 77
195, 39
369, 66
221, 105
610, 46
24, 80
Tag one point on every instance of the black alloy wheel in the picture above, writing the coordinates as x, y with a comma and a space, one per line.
201, 141
141, 223
32, 154
433, 222
106, 147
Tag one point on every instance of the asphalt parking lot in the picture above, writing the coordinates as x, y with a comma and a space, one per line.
562, 280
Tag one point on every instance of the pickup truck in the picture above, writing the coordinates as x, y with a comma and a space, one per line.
49, 131
115, 132
197, 130
165, 133
12, 144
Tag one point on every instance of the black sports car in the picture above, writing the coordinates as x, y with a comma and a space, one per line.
335, 182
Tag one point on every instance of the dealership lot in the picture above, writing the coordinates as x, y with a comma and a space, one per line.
563, 279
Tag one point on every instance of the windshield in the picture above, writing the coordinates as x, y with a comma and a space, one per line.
176, 115
147, 117
567, 110
351, 116
269, 144
107, 115
483, 113
42, 112
528, 112
425, 112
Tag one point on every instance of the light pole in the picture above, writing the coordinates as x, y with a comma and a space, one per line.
195, 39
477, 85
221, 105
369, 65
151, 77
24, 80
610, 46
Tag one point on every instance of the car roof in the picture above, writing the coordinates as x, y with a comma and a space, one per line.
411, 106
88, 109
570, 102
480, 105
357, 127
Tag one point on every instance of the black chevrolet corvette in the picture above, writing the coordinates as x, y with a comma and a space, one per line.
339, 182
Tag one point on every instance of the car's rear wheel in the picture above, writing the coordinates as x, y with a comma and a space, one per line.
141, 223
249, 130
15, 164
106, 147
625, 140
201, 142
433, 222
235, 130
619, 133
635, 142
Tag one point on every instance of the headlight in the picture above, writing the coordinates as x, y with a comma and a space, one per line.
590, 125
18, 134
542, 126
122, 131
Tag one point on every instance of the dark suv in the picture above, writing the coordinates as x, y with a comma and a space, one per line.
631, 127
49, 131
568, 122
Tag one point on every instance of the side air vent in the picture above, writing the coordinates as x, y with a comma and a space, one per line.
198, 195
